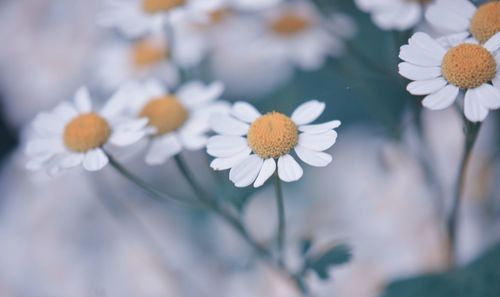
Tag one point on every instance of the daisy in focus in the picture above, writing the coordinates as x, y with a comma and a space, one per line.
394, 14
135, 18
75, 134
298, 32
119, 62
254, 146
463, 18
441, 74
175, 121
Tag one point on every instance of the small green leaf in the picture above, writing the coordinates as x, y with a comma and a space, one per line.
334, 256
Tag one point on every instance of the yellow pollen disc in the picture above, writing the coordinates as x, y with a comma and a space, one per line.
165, 113
153, 6
486, 21
272, 135
288, 24
468, 66
146, 53
217, 16
86, 132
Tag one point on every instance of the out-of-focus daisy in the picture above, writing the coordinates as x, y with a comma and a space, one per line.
394, 14
253, 5
250, 143
441, 73
298, 32
138, 17
119, 62
464, 18
175, 120
74, 134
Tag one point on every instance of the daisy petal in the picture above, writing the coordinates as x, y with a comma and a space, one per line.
442, 98
268, 168
95, 160
493, 43
452, 16
318, 142
195, 93
227, 125
313, 158
71, 160
420, 57
414, 72
82, 100
117, 103
490, 96
162, 148
307, 112
226, 146
288, 169
426, 87
245, 112
229, 162
473, 108
320, 128
426, 43
245, 173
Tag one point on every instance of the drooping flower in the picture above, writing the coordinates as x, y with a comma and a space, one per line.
255, 146
298, 32
441, 74
135, 18
394, 14
175, 120
462, 17
75, 134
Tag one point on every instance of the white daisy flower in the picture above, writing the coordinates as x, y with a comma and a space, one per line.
394, 14
462, 17
74, 134
269, 137
135, 18
120, 62
298, 32
441, 74
177, 120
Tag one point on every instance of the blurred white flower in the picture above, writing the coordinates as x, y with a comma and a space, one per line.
253, 5
393, 14
462, 17
299, 33
119, 62
135, 18
74, 134
175, 120
269, 137
441, 73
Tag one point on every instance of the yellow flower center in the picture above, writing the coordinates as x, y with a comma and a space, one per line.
146, 53
486, 21
289, 24
468, 66
165, 113
272, 135
86, 132
154, 6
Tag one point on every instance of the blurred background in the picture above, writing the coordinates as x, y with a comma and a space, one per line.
384, 194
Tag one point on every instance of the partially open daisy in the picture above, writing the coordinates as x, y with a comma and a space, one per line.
175, 120
394, 14
135, 18
74, 134
299, 33
143, 58
250, 143
441, 73
464, 18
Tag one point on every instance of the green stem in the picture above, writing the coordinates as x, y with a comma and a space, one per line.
281, 219
471, 133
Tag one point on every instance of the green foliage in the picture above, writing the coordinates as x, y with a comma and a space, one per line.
323, 261
481, 278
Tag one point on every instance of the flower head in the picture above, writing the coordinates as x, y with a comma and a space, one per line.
74, 134
462, 17
250, 143
442, 73
394, 14
175, 120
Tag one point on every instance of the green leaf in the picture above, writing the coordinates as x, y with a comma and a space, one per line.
334, 256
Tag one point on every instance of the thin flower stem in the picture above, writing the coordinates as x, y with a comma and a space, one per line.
281, 219
143, 184
471, 133
233, 221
